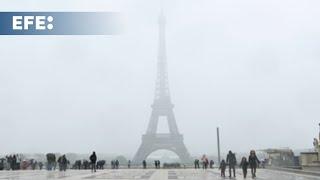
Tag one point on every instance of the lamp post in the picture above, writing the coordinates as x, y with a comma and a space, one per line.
318, 145
319, 131
218, 143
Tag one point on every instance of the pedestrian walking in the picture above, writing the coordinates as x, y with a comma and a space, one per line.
144, 164
117, 164
51, 161
196, 164
14, 162
205, 162
232, 161
244, 166
222, 168
156, 164
211, 164
40, 165
93, 159
253, 163
129, 164
62, 162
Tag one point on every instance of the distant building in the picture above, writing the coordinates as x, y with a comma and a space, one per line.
280, 157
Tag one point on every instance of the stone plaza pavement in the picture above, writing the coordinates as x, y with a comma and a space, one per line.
148, 174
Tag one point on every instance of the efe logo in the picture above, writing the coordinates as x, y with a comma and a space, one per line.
32, 22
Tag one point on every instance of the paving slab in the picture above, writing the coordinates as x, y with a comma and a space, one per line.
148, 174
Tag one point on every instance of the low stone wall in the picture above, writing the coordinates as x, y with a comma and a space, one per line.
312, 167
308, 158
310, 161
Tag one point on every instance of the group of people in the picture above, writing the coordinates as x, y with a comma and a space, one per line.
63, 163
115, 164
13, 162
85, 164
231, 161
17, 162
252, 161
204, 161
31, 163
157, 164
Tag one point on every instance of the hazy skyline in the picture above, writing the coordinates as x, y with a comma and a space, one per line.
249, 67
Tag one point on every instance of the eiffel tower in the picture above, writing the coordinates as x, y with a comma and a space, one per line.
162, 107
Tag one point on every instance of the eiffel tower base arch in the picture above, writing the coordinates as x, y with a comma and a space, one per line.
154, 142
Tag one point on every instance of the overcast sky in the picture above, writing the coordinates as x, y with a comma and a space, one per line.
250, 67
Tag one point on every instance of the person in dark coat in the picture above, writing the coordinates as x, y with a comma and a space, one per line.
196, 164
222, 168
100, 164
85, 164
63, 162
253, 163
129, 164
60, 163
117, 164
93, 160
112, 164
232, 161
144, 164
211, 164
244, 165
78, 164
51, 161
14, 162
40, 165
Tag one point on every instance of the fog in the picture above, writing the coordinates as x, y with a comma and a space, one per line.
250, 67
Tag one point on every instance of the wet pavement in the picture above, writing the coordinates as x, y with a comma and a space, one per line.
148, 174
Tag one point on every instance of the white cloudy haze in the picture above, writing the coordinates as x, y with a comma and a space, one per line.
250, 67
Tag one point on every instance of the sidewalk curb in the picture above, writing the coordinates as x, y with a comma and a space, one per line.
297, 171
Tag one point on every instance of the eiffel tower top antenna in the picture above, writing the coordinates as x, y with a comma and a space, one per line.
162, 93
161, 7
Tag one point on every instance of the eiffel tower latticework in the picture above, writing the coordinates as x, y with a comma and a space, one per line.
162, 107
